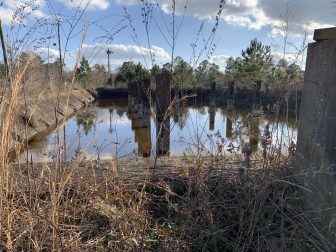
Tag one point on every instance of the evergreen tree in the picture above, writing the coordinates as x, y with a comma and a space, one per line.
183, 73
130, 71
256, 63
84, 70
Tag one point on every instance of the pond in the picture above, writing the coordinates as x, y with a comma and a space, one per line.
111, 129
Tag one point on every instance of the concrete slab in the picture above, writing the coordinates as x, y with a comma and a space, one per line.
325, 34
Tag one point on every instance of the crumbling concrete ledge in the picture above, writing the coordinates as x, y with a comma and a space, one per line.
45, 111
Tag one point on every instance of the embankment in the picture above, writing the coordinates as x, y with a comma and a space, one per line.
43, 111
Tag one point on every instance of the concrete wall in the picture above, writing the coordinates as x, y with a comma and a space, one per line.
316, 146
47, 111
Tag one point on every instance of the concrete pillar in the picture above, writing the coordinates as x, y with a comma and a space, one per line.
228, 127
143, 90
134, 120
212, 109
163, 94
133, 93
163, 101
230, 99
138, 86
212, 115
163, 137
213, 94
143, 135
256, 106
176, 93
254, 134
316, 145
142, 132
129, 93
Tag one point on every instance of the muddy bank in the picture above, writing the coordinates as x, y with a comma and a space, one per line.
47, 110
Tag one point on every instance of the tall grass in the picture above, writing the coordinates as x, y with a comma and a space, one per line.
196, 203
200, 203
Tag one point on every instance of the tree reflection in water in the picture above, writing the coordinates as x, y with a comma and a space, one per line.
87, 118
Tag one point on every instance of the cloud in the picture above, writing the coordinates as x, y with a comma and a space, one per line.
127, 2
12, 7
220, 60
96, 54
256, 14
301, 15
6, 15
45, 53
91, 4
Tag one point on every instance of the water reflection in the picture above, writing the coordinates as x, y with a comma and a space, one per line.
254, 133
115, 130
163, 137
141, 126
212, 114
228, 127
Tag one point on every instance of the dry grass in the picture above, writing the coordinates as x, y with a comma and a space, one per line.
206, 206
87, 208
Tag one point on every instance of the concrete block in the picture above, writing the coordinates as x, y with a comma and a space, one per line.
144, 91
163, 138
316, 144
212, 115
163, 94
163, 101
230, 104
325, 34
317, 127
229, 127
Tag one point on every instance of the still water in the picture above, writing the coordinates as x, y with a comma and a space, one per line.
108, 129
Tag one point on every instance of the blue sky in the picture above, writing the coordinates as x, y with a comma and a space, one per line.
240, 22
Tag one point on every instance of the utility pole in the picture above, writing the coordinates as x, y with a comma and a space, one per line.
60, 50
4, 50
109, 52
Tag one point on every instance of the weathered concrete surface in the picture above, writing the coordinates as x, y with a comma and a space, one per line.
163, 101
230, 96
325, 34
213, 94
163, 94
316, 146
144, 91
47, 111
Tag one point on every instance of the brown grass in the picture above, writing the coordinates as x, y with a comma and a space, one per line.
204, 205
90, 207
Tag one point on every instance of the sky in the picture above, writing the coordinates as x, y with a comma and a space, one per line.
154, 35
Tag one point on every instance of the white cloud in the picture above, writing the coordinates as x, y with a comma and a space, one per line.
256, 14
91, 4
46, 53
11, 7
6, 15
127, 2
121, 53
96, 53
220, 60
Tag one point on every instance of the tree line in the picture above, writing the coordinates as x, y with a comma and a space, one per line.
256, 63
